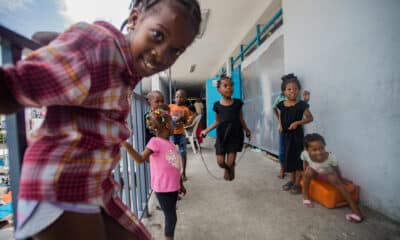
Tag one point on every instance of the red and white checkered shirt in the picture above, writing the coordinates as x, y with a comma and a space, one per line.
85, 79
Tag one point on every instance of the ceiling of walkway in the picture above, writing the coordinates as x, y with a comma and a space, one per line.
228, 22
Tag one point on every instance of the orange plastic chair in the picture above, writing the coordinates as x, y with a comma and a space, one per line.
328, 196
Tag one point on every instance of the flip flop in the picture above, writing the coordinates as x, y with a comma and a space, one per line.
296, 189
353, 218
308, 203
281, 176
287, 186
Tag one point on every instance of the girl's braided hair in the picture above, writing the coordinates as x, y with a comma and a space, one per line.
192, 6
289, 78
157, 117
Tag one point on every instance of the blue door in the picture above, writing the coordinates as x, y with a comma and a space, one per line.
212, 95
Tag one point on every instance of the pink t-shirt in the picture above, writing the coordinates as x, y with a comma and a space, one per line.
165, 165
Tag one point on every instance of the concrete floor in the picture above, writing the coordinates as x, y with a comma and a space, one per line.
253, 206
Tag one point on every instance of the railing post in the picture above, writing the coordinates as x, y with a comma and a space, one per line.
16, 133
231, 63
241, 52
258, 28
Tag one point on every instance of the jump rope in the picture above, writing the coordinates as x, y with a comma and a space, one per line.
236, 162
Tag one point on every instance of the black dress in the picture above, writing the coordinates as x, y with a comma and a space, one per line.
229, 130
293, 140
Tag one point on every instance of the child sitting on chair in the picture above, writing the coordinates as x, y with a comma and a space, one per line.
320, 164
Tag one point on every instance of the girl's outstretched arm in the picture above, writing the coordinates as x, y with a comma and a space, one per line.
140, 158
243, 122
211, 127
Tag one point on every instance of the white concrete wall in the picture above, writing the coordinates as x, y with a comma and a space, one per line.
347, 53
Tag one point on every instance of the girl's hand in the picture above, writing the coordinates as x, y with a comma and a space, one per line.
280, 128
293, 126
306, 96
203, 133
248, 134
182, 190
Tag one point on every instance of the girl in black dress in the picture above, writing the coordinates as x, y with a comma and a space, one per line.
292, 115
230, 125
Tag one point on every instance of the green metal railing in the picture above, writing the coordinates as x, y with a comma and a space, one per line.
276, 21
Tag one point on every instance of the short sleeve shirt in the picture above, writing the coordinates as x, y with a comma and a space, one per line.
165, 165
322, 167
229, 113
179, 111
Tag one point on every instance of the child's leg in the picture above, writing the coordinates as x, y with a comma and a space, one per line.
184, 167
299, 175
293, 177
309, 173
281, 156
168, 205
181, 139
72, 226
231, 164
114, 230
222, 164
335, 181
221, 160
296, 177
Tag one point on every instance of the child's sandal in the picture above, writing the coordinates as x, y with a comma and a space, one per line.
287, 186
281, 175
353, 218
308, 203
296, 189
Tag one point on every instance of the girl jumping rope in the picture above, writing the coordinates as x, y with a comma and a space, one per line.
318, 163
230, 125
292, 115
165, 166
85, 78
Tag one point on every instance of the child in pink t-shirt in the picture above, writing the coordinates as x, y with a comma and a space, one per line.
165, 166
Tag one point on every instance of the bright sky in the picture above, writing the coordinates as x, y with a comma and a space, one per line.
29, 16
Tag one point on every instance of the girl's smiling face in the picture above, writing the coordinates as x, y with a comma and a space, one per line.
316, 151
292, 91
159, 36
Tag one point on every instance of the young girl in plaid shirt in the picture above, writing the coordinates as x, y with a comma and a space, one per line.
165, 165
85, 78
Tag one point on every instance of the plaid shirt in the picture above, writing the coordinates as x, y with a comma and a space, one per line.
85, 79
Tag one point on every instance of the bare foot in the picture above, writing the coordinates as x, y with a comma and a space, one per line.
232, 173
226, 174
